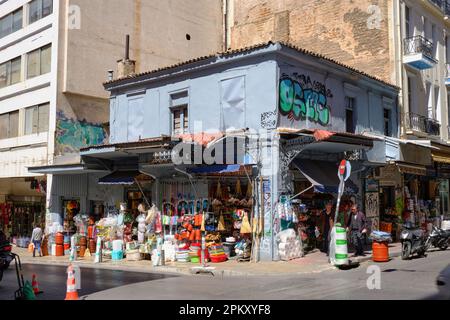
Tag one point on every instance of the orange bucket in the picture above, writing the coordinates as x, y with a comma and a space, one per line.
380, 251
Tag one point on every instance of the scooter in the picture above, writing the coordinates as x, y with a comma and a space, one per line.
438, 238
413, 241
5, 254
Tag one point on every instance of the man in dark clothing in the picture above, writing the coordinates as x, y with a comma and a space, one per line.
327, 218
358, 227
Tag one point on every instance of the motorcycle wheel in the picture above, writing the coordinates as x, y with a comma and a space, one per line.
406, 250
444, 247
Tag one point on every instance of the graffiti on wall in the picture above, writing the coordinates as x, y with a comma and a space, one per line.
372, 205
72, 135
301, 98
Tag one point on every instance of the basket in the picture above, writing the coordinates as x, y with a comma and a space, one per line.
134, 255
218, 259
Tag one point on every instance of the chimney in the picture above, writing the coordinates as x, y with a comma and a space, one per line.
110, 75
125, 66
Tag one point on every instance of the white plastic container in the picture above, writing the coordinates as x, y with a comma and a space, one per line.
341, 248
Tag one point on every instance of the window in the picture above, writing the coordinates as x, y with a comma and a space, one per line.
39, 9
10, 72
9, 125
39, 62
179, 109
11, 23
436, 103
435, 41
409, 95
387, 123
36, 119
407, 22
180, 120
349, 116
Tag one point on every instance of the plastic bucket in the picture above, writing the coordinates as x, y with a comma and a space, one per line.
380, 251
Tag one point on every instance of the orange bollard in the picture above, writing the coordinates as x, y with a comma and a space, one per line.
35, 285
72, 293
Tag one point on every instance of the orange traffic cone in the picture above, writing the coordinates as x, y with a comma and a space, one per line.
72, 293
35, 285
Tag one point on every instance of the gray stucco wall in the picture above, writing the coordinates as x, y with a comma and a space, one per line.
208, 95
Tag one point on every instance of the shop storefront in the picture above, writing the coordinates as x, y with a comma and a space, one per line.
22, 207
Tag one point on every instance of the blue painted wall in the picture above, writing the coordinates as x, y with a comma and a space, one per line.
248, 88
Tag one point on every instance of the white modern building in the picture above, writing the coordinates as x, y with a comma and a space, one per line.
54, 57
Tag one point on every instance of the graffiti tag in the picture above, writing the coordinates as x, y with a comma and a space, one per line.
302, 98
72, 135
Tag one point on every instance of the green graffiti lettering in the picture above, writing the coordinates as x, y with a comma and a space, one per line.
304, 99
286, 96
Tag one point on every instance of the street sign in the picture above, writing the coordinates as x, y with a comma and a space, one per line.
344, 170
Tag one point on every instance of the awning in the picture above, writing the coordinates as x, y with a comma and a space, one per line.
323, 176
119, 178
67, 169
215, 169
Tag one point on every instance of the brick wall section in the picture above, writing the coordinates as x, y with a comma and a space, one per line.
336, 28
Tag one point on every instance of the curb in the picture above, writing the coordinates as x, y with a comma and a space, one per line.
369, 258
174, 271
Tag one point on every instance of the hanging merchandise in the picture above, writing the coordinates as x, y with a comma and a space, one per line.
238, 188
245, 228
221, 225
202, 228
219, 191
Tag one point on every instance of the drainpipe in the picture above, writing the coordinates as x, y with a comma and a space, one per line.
225, 24
399, 66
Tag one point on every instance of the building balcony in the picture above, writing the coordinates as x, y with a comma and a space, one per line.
443, 5
416, 123
418, 53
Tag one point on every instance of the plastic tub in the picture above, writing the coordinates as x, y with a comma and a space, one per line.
117, 255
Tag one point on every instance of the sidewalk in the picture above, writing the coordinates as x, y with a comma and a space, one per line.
314, 262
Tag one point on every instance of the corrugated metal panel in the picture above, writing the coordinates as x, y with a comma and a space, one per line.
70, 185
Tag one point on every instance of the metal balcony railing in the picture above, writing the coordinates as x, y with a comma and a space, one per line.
423, 124
418, 44
444, 5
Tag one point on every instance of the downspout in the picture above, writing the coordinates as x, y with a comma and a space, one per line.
225, 24
398, 52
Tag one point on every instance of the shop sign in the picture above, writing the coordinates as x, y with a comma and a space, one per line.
266, 186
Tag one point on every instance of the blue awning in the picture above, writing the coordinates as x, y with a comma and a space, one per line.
120, 178
323, 176
226, 168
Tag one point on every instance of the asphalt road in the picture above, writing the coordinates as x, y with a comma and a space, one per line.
52, 280
400, 280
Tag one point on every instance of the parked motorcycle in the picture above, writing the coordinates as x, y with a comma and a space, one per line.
414, 240
438, 238
5, 254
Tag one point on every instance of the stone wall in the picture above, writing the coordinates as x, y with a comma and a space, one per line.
354, 32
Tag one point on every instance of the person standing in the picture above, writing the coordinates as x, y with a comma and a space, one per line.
357, 226
327, 226
36, 238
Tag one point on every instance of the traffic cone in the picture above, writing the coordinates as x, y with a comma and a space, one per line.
72, 293
35, 285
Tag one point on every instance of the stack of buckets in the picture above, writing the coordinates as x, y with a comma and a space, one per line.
83, 246
117, 253
341, 247
59, 242
91, 237
67, 245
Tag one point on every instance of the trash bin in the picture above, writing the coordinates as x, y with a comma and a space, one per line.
380, 251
